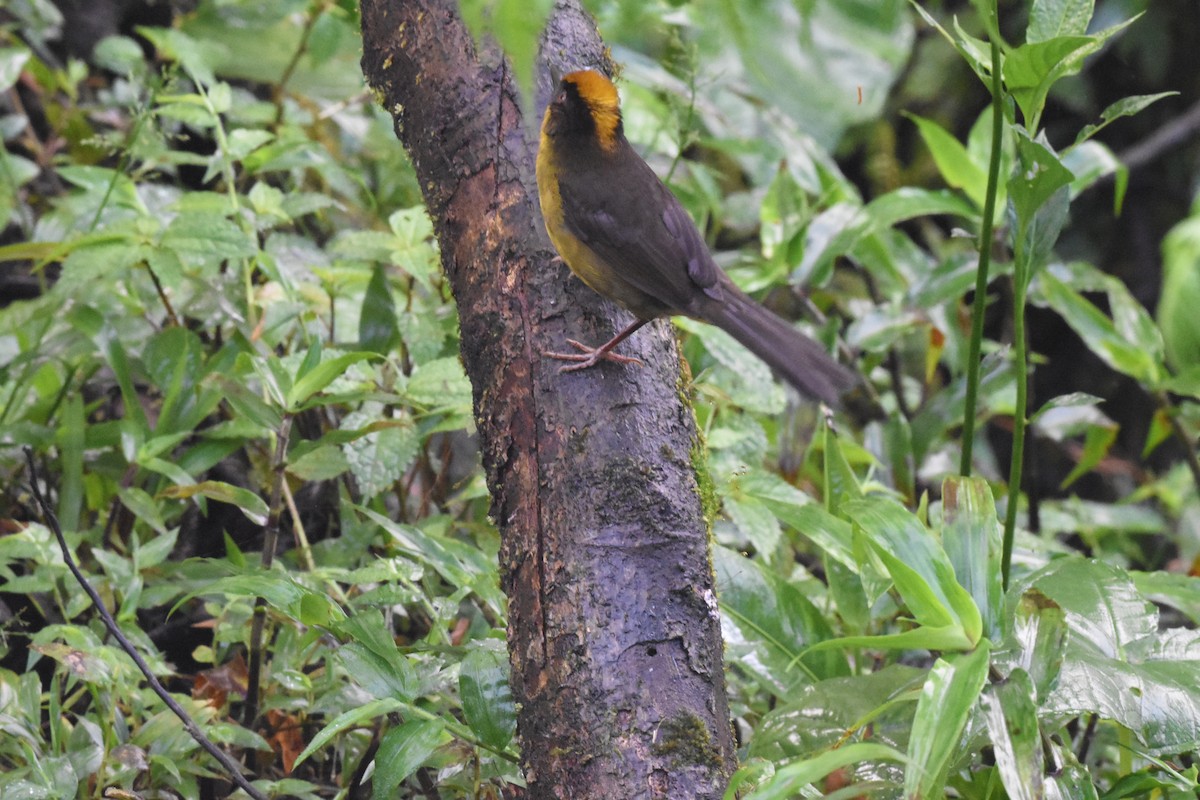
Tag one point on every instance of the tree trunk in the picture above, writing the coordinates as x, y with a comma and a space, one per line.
614, 635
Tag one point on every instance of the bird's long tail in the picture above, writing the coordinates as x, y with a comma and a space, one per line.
796, 358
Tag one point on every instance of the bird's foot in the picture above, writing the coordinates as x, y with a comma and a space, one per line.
589, 357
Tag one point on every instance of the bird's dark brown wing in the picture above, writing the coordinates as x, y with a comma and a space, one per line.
643, 233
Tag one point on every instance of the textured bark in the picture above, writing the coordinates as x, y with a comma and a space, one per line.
614, 637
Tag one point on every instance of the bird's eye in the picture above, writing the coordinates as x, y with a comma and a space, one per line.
561, 99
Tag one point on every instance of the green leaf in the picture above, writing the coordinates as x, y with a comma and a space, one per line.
12, 61
1126, 107
1010, 712
486, 696
245, 402
378, 329
1134, 348
372, 657
1118, 664
401, 751
196, 56
380, 458
1051, 18
1031, 69
349, 719
1179, 591
319, 464
920, 568
207, 235
953, 161
971, 537
1067, 401
789, 780
1039, 175
441, 384
318, 377
1180, 296
459, 563
837, 230
1097, 442
1039, 635
253, 506
776, 621
949, 695
143, 507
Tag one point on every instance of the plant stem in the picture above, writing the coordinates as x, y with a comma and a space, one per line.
1020, 364
985, 260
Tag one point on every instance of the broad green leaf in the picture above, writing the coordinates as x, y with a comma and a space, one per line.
1010, 711
776, 621
318, 377
353, 718
319, 464
953, 161
971, 537
487, 700
1118, 663
70, 438
459, 563
1180, 296
378, 330
1172, 589
839, 229
1134, 350
155, 549
1102, 604
795, 508
12, 61
196, 56
920, 568
1031, 69
825, 53
1038, 176
207, 235
401, 751
822, 715
1039, 635
1051, 18
378, 459
85, 666
375, 661
950, 693
1072, 400
143, 507
748, 382
253, 506
789, 780
1091, 161
440, 383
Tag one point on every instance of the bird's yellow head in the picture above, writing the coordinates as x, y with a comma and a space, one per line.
586, 103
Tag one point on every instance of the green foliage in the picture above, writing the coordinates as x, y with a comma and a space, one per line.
241, 326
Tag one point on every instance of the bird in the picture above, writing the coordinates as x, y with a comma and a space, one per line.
625, 235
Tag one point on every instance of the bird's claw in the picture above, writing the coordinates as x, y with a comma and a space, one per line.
589, 357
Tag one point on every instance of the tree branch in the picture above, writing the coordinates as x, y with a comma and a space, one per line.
614, 637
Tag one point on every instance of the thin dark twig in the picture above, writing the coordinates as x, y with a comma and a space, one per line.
1085, 740
189, 724
270, 540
